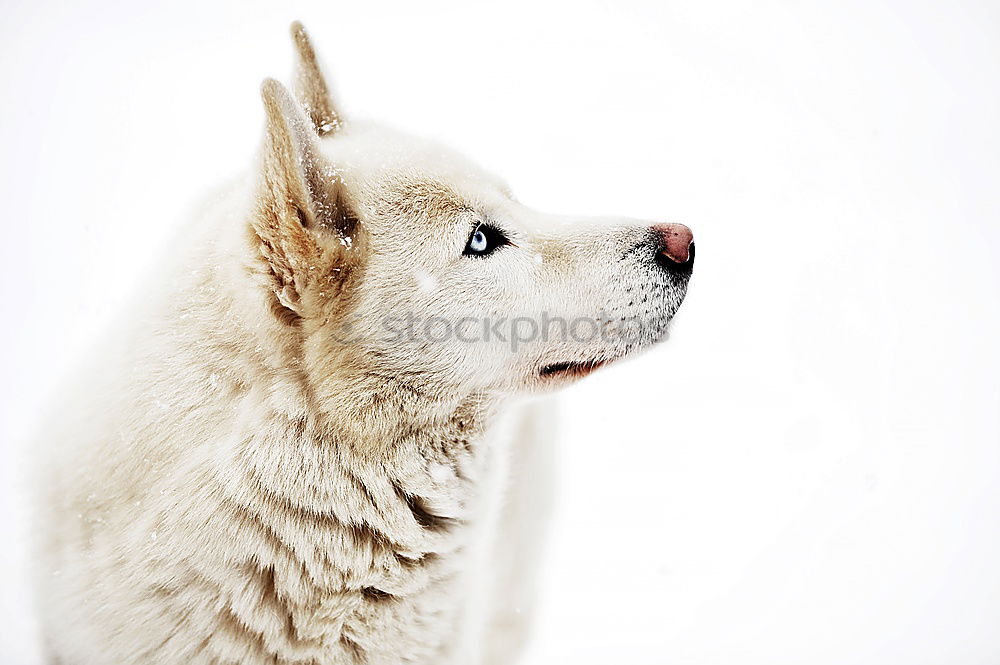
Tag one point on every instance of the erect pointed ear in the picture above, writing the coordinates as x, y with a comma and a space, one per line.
310, 86
297, 201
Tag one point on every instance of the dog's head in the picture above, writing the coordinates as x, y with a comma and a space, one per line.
402, 261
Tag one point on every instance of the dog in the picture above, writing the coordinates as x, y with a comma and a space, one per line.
306, 444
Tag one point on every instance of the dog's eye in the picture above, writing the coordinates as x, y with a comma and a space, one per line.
484, 240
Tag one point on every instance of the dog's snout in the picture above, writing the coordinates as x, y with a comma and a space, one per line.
676, 243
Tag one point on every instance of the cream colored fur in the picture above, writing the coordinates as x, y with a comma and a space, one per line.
232, 482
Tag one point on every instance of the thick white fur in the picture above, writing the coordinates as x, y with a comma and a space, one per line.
231, 484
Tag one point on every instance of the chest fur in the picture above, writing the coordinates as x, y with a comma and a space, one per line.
326, 556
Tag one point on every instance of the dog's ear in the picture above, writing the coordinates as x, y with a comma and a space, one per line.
298, 204
310, 86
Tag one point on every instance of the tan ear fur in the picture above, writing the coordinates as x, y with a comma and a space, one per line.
310, 86
291, 189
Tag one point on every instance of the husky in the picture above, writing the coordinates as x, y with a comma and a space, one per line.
306, 444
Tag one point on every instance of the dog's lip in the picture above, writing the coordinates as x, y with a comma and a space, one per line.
570, 369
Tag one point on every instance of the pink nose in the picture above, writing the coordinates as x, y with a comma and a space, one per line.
676, 242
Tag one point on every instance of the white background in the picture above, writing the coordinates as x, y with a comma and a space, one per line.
807, 472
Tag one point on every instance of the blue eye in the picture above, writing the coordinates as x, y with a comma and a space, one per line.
478, 243
484, 240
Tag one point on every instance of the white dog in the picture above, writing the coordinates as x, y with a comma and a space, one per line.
292, 454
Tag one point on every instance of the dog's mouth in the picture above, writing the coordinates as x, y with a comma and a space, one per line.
570, 370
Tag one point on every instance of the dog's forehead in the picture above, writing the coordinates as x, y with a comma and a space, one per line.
393, 169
